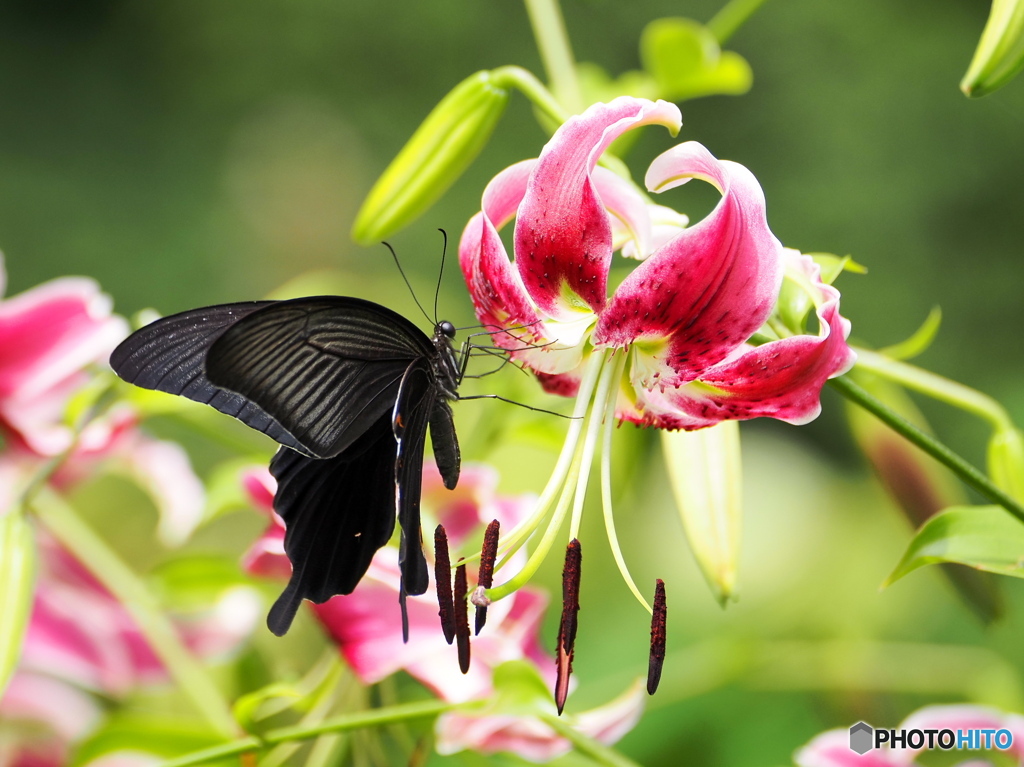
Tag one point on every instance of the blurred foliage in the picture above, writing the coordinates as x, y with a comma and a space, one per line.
189, 153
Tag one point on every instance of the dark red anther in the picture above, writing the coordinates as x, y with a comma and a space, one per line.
567, 626
485, 577
461, 617
658, 619
443, 581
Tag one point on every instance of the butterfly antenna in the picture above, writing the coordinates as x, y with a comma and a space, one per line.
408, 284
440, 274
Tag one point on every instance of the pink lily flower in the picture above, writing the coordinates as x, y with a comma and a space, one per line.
686, 313
49, 335
693, 336
832, 748
363, 624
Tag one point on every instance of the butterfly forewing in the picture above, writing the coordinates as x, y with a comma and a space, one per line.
169, 356
327, 368
349, 388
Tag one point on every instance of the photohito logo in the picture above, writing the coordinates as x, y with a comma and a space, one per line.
864, 737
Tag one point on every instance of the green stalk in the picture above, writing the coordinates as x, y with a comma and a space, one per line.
532, 88
342, 723
731, 17
937, 450
556, 52
108, 568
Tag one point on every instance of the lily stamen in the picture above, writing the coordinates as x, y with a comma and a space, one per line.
658, 637
567, 625
443, 584
461, 616
488, 554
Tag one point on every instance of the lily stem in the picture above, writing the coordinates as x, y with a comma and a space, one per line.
556, 52
121, 581
731, 17
937, 450
342, 723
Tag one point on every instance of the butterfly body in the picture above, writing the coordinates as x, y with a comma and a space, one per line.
349, 389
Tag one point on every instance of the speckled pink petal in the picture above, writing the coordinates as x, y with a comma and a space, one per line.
498, 294
563, 238
781, 379
710, 287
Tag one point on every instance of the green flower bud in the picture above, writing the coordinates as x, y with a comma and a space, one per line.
704, 471
436, 155
1000, 52
1006, 461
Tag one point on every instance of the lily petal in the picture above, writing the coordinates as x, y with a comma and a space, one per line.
503, 305
563, 239
498, 293
709, 288
781, 379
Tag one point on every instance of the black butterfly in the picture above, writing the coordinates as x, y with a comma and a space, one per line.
348, 388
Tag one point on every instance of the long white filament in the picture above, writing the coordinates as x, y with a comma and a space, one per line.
606, 489
563, 477
590, 443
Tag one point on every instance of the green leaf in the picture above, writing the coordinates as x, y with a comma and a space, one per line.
832, 266
149, 734
195, 582
1006, 461
685, 60
1000, 52
704, 471
919, 341
262, 704
984, 537
17, 579
439, 151
520, 690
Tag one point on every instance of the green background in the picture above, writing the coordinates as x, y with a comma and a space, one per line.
185, 153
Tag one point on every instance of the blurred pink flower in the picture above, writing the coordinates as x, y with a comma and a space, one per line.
82, 642
684, 316
365, 624
832, 748
49, 335
49, 338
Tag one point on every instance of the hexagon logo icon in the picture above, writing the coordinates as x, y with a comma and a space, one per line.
861, 738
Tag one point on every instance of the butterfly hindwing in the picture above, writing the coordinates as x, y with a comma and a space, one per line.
327, 367
169, 355
337, 512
